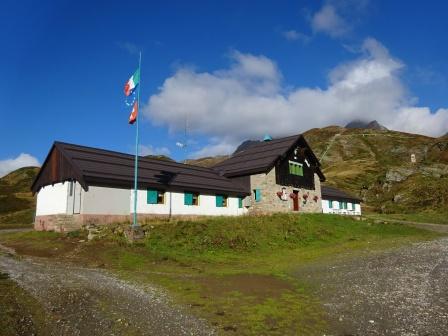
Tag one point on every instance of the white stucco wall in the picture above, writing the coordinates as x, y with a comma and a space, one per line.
174, 203
52, 200
337, 208
105, 201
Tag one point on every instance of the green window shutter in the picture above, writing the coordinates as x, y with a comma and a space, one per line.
257, 195
219, 201
151, 196
330, 204
295, 168
188, 199
240, 202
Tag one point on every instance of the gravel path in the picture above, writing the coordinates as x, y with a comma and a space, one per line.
399, 292
82, 301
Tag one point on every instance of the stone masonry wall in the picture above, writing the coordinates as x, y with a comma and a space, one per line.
270, 202
67, 223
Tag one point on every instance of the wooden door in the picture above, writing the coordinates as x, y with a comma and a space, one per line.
295, 200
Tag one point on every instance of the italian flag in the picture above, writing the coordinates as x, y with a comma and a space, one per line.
132, 83
134, 113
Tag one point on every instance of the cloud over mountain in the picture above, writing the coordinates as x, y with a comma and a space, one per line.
249, 99
23, 160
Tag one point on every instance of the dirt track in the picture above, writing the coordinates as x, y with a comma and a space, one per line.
399, 292
82, 301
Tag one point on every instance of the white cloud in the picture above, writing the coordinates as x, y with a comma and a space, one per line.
151, 150
248, 100
294, 35
214, 148
337, 18
327, 20
23, 160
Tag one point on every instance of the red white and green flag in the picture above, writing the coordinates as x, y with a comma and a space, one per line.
132, 83
134, 113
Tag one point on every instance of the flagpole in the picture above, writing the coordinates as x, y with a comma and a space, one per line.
135, 224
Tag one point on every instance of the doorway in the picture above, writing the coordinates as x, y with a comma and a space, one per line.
295, 200
77, 198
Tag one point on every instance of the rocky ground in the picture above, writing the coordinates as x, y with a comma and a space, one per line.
399, 292
82, 301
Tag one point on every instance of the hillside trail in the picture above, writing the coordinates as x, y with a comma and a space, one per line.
403, 291
441, 228
83, 301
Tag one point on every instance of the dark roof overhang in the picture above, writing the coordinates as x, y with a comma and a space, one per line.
93, 166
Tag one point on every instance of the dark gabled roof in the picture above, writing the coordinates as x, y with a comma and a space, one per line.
260, 157
334, 193
93, 166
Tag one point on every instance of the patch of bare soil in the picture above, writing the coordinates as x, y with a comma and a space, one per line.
398, 292
50, 252
83, 301
248, 284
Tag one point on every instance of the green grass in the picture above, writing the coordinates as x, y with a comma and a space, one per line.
216, 239
235, 272
17, 219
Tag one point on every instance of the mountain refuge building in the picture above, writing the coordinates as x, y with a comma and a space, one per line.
79, 185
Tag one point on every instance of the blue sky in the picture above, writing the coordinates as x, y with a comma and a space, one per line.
232, 69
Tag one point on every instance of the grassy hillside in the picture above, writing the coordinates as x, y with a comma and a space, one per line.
376, 165
208, 161
16, 200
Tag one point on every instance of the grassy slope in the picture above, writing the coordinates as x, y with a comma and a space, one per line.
208, 161
16, 200
235, 272
376, 166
